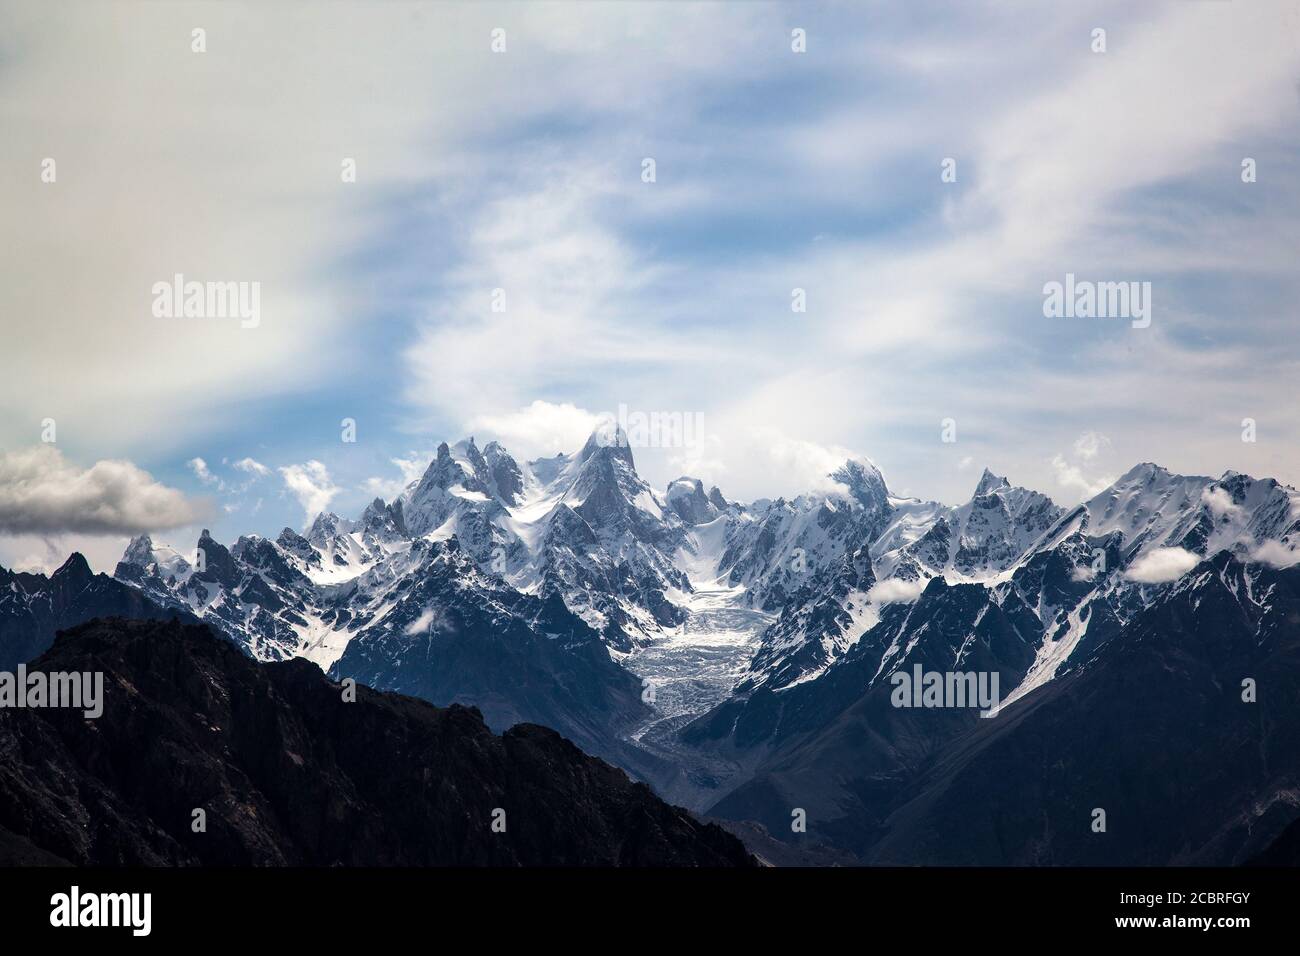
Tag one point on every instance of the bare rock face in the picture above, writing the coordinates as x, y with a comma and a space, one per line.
33, 607
286, 771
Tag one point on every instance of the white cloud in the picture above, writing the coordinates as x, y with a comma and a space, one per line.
271, 202
1275, 553
411, 469
706, 460
604, 305
46, 556
385, 488
1078, 475
255, 470
602, 295
896, 591
1069, 475
84, 285
1219, 502
431, 621
808, 462
43, 493
252, 467
1088, 445
540, 429
201, 471
1162, 565
310, 483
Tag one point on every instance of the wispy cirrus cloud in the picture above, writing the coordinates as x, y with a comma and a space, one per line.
775, 170
924, 298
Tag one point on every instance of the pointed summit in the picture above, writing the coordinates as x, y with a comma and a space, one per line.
609, 440
686, 497
462, 465
384, 521
989, 483
504, 475
291, 540
76, 568
864, 481
467, 450
327, 526
219, 565
139, 552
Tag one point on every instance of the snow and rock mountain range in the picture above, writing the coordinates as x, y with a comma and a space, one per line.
628, 561
723, 651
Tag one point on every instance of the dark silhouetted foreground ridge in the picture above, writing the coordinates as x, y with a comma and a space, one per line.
288, 772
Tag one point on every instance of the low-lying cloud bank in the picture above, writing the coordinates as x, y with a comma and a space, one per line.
41, 492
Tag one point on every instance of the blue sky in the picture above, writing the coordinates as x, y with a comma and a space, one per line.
521, 170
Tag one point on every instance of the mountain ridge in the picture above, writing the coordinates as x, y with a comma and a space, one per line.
287, 770
711, 647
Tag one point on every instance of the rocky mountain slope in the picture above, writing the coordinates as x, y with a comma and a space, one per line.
739, 656
1150, 726
1157, 728
286, 771
34, 607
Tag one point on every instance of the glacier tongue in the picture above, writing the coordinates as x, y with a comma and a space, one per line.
696, 666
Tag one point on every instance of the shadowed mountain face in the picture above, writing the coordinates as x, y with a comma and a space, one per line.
567, 592
456, 635
1153, 727
33, 607
1153, 730
289, 772
1284, 851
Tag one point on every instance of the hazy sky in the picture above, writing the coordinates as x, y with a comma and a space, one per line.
522, 170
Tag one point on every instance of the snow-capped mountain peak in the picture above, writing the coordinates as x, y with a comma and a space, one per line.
989, 483
863, 480
611, 440
324, 528
686, 498
819, 571
504, 477
139, 551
